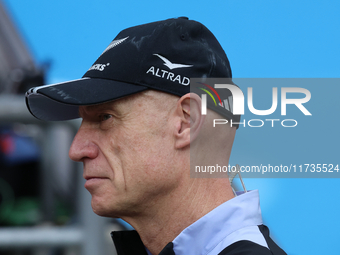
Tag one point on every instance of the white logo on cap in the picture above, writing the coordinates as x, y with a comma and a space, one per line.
98, 67
171, 65
114, 43
164, 74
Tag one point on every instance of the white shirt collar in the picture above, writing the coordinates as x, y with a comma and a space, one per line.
204, 235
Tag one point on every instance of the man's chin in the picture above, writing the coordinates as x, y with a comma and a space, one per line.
102, 212
103, 209
99, 207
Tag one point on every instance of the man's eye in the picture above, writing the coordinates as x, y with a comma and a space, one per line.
105, 117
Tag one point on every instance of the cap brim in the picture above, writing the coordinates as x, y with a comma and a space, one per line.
61, 101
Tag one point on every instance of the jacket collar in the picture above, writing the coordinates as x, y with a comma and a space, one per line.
129, 243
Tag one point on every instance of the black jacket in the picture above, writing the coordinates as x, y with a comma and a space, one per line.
129, 243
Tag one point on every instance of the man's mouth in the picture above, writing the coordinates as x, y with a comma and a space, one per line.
92, 181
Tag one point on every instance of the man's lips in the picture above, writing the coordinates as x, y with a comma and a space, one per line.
92, 177
88, 177
93, 180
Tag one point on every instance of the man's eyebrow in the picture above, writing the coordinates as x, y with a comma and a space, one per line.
90, 109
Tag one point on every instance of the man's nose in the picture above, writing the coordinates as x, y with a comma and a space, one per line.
83, 146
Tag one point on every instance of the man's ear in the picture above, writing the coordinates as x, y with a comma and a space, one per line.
190, 119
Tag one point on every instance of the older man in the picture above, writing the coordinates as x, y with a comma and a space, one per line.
142, 130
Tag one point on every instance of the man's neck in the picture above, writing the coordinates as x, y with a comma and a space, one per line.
169, 216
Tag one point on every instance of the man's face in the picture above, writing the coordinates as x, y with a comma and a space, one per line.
127, 149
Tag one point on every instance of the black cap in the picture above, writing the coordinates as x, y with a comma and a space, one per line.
162, 55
